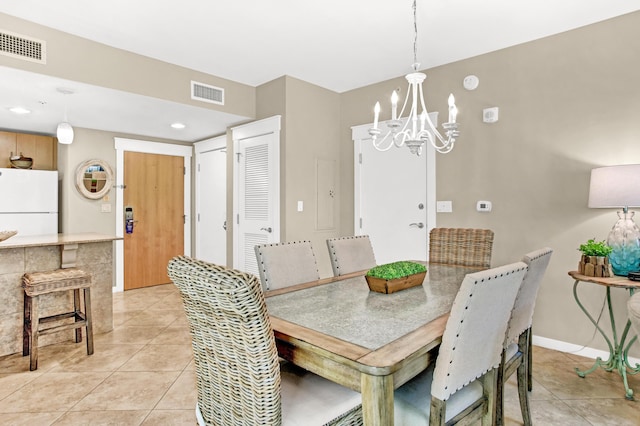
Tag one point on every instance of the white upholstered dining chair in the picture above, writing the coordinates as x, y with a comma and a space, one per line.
285, 264
351, 254
517, 355
463, 382
238, 376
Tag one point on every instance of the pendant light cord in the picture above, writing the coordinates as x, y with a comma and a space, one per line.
415, 37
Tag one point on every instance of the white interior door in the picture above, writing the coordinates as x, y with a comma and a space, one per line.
394, 198
211, 200
256, 190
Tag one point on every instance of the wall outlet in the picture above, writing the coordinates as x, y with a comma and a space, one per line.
105, 208
444, 207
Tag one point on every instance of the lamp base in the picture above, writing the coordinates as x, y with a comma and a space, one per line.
624, 239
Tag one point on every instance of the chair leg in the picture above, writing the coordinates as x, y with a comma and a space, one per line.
87, 314
490, 385
26, 326
523, 374
499, 417
438, 412
529, 360
77, 310
34, 325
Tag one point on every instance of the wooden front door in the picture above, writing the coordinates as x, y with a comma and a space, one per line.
154, 190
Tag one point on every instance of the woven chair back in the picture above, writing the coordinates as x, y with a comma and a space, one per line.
461, 246
237, 368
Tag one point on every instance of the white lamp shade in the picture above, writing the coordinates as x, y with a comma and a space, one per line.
615, 187
65, 133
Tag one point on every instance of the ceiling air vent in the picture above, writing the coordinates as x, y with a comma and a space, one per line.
22, 47
205, 93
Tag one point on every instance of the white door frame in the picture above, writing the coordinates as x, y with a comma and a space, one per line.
252, 130
122, 145
360, 134
212, 144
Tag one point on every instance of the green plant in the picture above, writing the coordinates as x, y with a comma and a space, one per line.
595, 248
394, 270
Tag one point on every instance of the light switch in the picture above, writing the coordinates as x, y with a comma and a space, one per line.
444, 207
300, 206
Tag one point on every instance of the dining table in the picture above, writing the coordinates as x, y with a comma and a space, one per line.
367, 341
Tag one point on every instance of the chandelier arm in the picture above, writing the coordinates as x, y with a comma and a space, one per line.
377, 144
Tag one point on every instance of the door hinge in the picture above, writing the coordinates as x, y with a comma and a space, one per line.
360, 158
238, 219
198, 167
184, 171
360, 223
198, 217
184, 219
238, 156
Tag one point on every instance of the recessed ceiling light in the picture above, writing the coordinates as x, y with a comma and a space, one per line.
178, 126
19, 110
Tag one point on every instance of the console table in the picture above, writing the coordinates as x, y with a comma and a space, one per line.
92, 252
618, 348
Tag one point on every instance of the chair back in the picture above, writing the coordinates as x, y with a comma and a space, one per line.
236, 360
350, 254
633, 306
474, 334
461, 246
285, 264
522, 314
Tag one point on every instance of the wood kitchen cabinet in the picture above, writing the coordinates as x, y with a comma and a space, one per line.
43, 149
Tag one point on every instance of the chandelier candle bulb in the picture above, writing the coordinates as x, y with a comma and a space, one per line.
394, 105
453, 110
376, 115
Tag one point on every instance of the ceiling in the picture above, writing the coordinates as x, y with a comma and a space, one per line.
340, 45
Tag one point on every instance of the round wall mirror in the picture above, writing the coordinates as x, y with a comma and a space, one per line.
94, 179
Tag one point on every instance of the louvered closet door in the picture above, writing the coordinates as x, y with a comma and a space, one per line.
257, 198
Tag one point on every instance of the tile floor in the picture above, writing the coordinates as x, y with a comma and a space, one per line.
141, 374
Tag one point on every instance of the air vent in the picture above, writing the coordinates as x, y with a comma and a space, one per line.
205, 93
23, 47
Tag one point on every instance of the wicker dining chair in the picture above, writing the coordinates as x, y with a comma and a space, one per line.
350, 254
462, 385
238, 375
285, 264
517, 355
461, 246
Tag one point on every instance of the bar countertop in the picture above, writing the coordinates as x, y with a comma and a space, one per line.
18, 241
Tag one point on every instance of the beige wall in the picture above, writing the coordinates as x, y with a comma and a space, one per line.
310, 133
568, 103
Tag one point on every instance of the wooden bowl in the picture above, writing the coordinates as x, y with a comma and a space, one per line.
22, 163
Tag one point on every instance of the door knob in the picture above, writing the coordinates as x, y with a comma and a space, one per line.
419, 224
224, 225
266, 229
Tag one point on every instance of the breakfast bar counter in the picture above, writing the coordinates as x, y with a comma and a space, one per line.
91, 252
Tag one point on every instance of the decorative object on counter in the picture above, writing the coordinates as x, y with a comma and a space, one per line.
615, 187
396, 276
94, 179
20, 161
7, 234
595, 259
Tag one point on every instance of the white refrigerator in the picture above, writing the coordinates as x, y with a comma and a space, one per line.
29, 201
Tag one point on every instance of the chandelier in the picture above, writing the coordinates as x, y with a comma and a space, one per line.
417, 129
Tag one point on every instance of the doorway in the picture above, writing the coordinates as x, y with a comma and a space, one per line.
395, 208
184, 153
211, 200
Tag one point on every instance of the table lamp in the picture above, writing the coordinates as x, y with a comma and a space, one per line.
619, 187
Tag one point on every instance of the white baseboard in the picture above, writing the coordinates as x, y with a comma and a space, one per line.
560, 346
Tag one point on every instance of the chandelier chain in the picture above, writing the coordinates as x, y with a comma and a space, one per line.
415, 36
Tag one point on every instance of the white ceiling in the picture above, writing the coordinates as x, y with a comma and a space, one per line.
336, 44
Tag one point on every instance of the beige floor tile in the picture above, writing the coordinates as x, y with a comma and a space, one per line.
29, 419
182, 394
128, 391
126, 334
613, 412
179, 335
171, 417
159, 358
154, 318
548, 413
11, 382
105, 357
99, 418
52, 392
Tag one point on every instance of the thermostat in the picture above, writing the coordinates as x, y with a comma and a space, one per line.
483, 206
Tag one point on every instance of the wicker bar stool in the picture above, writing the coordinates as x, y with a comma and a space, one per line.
39, 283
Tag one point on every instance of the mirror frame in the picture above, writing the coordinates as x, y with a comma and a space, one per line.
81, 169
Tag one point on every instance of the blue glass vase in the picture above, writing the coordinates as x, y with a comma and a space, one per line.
624, 239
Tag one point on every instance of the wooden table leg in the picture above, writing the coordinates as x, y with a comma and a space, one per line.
377, 400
